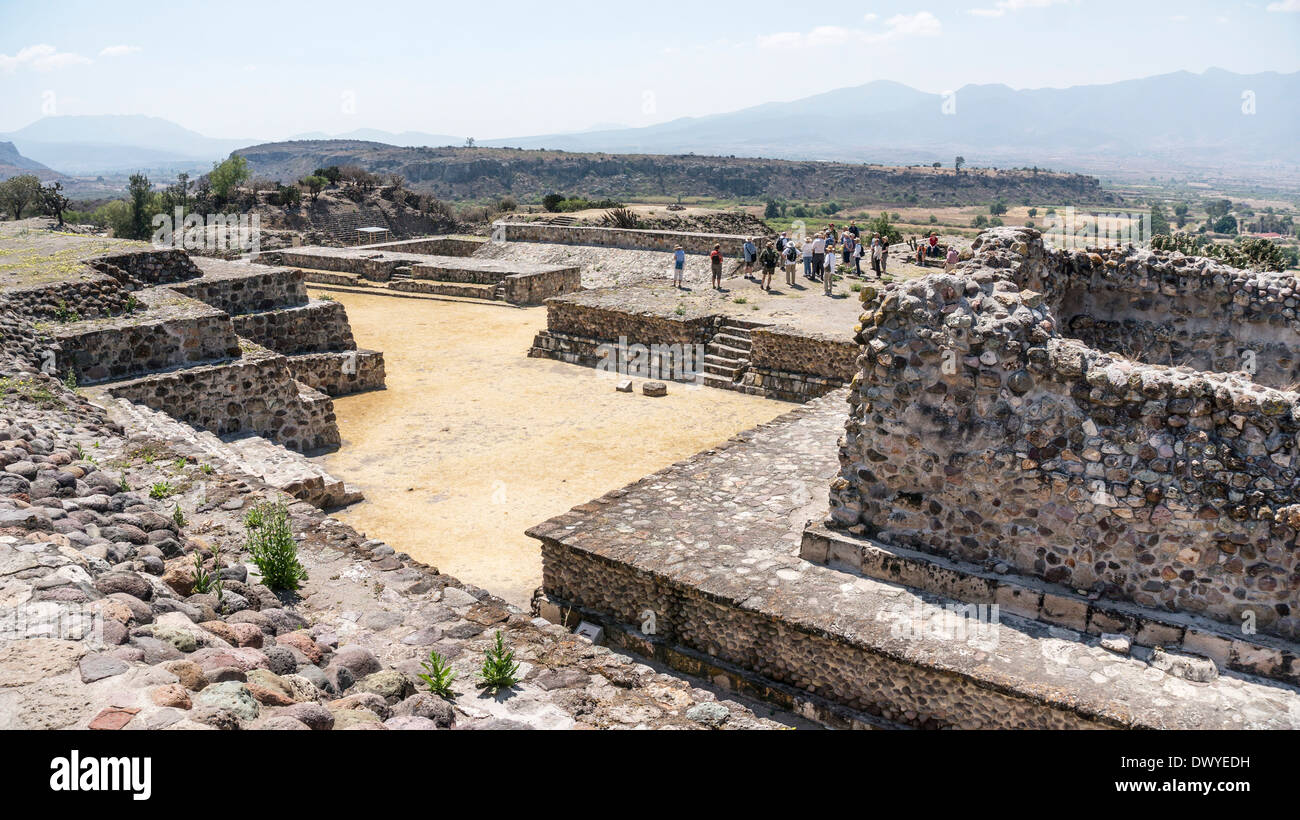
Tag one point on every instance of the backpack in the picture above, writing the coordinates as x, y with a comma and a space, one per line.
791, 253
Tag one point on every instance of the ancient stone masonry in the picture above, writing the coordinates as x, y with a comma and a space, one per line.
979, 430
148, 267
698, 243
94, 296
315, 327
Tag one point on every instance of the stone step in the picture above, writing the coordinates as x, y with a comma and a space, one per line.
724, 382
726, 371
738, 342
726, 351
247, 454
466, 290
735, 331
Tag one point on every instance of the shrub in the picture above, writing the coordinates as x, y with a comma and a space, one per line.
551, 202
620, 218
438, 675
499, 667
272, 548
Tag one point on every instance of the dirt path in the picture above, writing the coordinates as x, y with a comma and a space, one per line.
473, 442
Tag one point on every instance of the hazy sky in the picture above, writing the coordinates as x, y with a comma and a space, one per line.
268, 69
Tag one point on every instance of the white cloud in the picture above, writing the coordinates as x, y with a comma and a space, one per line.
1284, 5
920, 24
118, 51
1002, 7
40, 57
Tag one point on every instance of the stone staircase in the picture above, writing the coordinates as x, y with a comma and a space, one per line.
246, 453
727, 354
562, 220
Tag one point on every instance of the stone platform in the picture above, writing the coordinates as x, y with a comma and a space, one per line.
699, 565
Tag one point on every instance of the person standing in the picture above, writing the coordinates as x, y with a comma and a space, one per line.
819, 256
884, 255
768, 261
828, 259
857, 257
715, 262
853, 229
751, 254
807, 251
679, 265
781, 242
875, 255
951, 261
846, 250
791, 255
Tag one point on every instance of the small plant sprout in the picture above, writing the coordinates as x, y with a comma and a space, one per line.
438, 675
272, 548
178, 516
161, 490
499, 667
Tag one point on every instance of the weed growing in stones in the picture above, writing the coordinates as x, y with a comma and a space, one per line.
63, 313
206, 469
178, 516
161, 490
438, 675
122, 486
499, 667
272, 548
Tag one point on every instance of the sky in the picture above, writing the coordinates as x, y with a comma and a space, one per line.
268, 70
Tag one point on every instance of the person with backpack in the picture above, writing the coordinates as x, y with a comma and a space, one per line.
791, 255
819, 256
767, 260
715, 262
781, 242
679, 265
751, 254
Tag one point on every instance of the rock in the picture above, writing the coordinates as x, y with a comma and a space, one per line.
113, 718
654, 389
214, 718
190, 674
389, 684
269, 680
423, 637
561, 679
425, 705
280, 660
358, 660
284, 722
1188, 667
268, 697
182, 639
301, 689
232, 696
624, 386
314, 715
349, 718
97, 667
710, 714
339, 678
172, 694
410, 722
1119, 644
304, 644
363, 700
129, 583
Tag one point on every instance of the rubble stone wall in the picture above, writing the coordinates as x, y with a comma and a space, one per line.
634, 238
257, 394
340, 374
978, 431
95, 295
315, 327
260, 289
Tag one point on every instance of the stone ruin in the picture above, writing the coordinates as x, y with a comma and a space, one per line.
1120, 422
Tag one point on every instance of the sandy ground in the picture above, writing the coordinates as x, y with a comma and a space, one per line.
473, 442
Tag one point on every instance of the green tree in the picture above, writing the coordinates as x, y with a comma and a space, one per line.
16, 193
139, 192
958, 163
53, 202
1159, 221
1180, 213
226, 176
771, 210
314, 185
1225, 224
551, 202
998, 208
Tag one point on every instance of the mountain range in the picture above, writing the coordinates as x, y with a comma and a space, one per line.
1212, 123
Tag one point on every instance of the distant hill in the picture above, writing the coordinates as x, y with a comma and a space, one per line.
409, 139
13, 163
1178, 121
108, 143
479, 173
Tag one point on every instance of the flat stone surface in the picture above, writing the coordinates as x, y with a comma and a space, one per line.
729, 521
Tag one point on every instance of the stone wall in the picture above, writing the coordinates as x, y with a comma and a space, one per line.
607, 325
256, 393
853, 674
340, 374
536, 288
315, 327
799, 351
376, 266
256, 288
620, 237
148, 268
1167, 308
432, 245
977, 431
95, 295
108, 349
